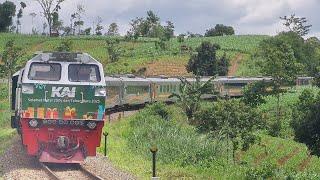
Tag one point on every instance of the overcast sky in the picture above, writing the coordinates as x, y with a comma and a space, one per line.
246, 16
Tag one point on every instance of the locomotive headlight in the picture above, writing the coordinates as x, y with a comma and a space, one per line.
27, 89
100, 92
33, 123
91, 125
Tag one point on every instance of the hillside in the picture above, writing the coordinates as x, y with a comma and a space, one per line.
179, 155
142, 55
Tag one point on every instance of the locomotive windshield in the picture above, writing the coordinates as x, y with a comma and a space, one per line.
83, 73
45, 71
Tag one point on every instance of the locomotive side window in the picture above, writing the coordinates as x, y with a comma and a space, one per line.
83, 73
45, 71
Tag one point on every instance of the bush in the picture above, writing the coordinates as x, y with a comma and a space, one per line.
3, 91
265, 171
306, 120
229, 120
65, 46
113, 48
178, 143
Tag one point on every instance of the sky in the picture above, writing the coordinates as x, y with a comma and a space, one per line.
246, 16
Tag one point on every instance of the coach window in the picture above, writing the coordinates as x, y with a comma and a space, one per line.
45, 71
83, 73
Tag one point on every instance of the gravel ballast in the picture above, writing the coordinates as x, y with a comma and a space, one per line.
16, 164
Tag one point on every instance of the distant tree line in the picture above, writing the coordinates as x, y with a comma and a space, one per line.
149, 26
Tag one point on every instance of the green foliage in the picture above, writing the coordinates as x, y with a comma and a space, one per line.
113, 49
189, 96
205, 61
65, 45
178, 144
296, 24
220, 30
304, 52
278, 61
7, 12
306, 121
266, 171
135, 54
254, 93
113, 30
3, 92
229, 120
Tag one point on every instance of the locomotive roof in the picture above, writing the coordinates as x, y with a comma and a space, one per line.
64, 57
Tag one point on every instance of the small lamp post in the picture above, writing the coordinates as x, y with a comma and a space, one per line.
154, 150
105, 143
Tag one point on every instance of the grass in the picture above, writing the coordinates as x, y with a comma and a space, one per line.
6, 133
275, 157
135, 54
287, 102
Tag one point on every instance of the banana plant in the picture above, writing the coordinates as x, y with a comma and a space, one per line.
190, 93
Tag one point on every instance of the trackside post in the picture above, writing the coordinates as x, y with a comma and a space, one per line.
105, 143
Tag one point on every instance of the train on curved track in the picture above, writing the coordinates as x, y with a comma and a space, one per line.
59, 102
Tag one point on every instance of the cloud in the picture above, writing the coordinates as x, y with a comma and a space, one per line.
247, 16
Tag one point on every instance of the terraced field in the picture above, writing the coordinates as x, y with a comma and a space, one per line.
286, 154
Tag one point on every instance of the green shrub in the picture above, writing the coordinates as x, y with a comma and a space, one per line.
265, 171
178, 143
229, 120
306, 120
3, 91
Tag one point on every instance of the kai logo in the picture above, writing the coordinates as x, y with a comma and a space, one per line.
63, 92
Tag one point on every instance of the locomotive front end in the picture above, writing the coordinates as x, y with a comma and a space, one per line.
62, 107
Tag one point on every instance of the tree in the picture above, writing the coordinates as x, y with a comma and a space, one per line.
33, 15
7, 12
306, 120
99, 27
50, 10
136, 26
113, 29
189, 96
254, 93
223, 65
296, 24
10, 55
204, 62
113, 48
230, 121
149, 27
19, 15
220, 30
44, 27
57, 24
87, 31
277, 60
78, 16
169, 30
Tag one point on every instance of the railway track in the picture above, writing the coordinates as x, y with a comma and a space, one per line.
68, 171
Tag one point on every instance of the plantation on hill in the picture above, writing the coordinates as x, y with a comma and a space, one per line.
141, 55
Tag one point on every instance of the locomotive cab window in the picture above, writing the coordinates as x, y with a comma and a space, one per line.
83, 73
45, 71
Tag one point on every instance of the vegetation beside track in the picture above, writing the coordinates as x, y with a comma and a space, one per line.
184, 152
137, 55
6, 132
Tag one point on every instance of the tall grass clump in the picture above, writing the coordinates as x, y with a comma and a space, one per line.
178, 143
